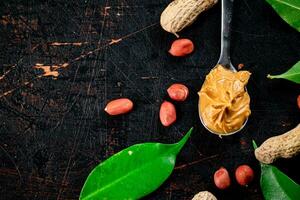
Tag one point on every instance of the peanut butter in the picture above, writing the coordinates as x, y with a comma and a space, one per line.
224, 104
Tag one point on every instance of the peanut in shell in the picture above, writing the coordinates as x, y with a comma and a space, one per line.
182, 13
286, 145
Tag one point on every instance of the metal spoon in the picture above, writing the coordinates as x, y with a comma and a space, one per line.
224, 60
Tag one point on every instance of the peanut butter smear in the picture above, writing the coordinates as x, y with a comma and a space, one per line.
224, 104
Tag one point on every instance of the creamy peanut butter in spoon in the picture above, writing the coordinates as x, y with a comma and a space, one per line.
224, 103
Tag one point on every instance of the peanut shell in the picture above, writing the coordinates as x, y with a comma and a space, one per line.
181, 13
286, 145
204, 195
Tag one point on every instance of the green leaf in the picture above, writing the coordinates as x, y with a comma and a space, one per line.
133, 172
276, 185
288, 10
293, 74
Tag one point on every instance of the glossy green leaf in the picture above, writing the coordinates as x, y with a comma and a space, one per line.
133, 172
276, 185
293, 74
288, 10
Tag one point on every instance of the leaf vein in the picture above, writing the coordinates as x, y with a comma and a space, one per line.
288, 4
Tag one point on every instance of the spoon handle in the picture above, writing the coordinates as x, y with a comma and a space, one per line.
227, 7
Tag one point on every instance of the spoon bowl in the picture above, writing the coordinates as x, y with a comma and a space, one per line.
221, 134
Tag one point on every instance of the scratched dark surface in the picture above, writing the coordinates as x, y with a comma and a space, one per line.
54, 130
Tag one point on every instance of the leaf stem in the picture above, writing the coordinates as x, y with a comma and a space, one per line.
269, 76
254, 144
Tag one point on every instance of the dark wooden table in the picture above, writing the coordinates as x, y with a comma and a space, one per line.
54, 130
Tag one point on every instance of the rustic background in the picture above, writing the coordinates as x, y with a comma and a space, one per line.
53, 129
